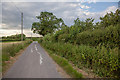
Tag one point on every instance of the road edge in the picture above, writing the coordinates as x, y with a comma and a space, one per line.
13, 60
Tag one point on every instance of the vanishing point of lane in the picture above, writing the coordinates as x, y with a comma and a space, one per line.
33, 63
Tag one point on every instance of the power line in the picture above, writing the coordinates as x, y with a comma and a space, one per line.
21, 20
16, 7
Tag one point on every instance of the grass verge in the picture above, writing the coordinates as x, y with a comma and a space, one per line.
10, 50
65, 65
99, 60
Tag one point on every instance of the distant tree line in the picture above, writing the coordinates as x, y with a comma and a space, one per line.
16, 37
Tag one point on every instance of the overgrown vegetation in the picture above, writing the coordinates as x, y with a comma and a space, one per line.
10, 50
94, 46
65, 65
99, 59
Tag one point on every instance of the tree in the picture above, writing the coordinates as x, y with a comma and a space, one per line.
110, 19
48, 23
83, 25
89, 23
79, 25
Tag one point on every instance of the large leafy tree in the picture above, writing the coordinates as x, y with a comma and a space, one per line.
110, 19
48, 23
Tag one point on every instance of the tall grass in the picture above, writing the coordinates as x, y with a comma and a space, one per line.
11, 49
65, 65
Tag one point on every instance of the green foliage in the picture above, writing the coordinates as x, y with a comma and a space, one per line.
12, 49
65, 65
16, 37
102, 61
36, 38
48, 23
93, 46
110, 19
85, 32
84, 25
108, 36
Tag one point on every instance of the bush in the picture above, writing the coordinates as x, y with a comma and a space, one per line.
102, 61
108, 36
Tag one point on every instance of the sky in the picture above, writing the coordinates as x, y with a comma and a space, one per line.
68, 11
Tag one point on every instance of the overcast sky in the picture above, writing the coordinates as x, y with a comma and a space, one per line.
68, 11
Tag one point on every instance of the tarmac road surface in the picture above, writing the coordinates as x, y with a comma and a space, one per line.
34, 62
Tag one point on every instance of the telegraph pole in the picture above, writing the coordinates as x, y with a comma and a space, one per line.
31, 36
21, 26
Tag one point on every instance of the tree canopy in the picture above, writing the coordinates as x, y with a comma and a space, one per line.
110, 19
48, 23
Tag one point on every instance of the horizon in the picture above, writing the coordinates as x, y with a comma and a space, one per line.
68, 11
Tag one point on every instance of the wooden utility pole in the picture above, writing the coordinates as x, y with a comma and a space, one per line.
31, 36
21, 26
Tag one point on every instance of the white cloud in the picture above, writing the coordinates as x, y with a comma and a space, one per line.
97, 15
79, 5
55, 8
73, 5
61, 1
109, 9
103, 13
3, 25
86, 13
67, 11
8, 32
82, 1
83, 14
84, 7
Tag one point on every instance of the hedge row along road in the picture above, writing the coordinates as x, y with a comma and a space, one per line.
33, 63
